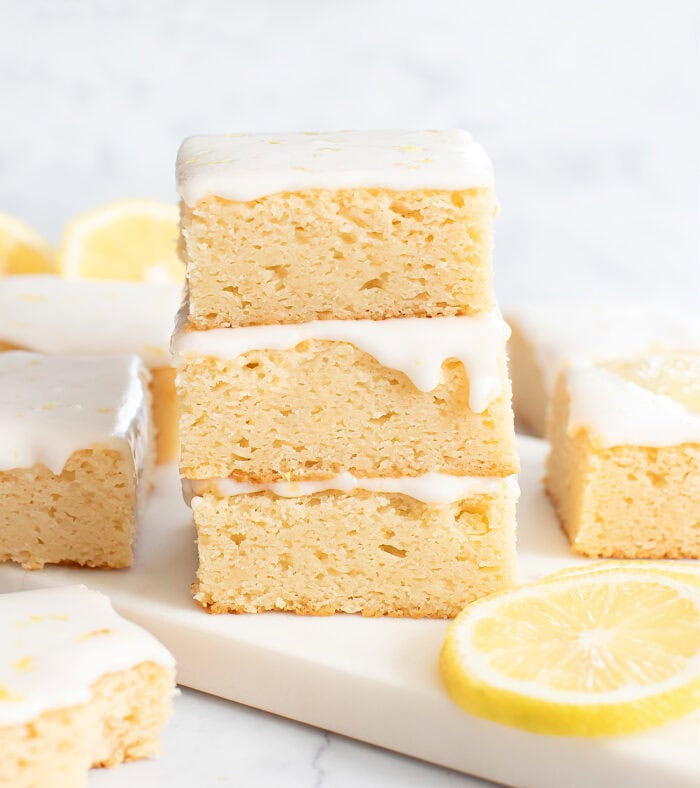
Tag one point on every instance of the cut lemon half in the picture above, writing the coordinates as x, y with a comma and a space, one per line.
128, 239
595, 654
22, 249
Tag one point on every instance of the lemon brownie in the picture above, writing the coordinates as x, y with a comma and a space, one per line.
75, 458
80, 687
422, 546
290, 228
392, 397
547, 336
52, 315
339, 355
624, 468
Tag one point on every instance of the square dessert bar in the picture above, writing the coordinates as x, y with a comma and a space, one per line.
320, 402
75, 458
547, 336
56, 316
290, 228
624, 467
80, 687
374, 552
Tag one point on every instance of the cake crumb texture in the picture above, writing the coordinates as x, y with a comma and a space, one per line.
164, 414
327, 407
84, 515
377, 554
622, 501
294, 257
121, 722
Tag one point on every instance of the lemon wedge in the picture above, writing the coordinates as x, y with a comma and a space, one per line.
127, 239
22, 249
591, 654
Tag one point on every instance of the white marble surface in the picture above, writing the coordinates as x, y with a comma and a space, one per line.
590, 113
236, 746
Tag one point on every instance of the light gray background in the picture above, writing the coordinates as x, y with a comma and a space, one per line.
589, 110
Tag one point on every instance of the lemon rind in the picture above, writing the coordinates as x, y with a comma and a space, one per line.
537, 714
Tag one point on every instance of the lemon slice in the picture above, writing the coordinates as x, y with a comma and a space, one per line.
681, 571
22, 249
592, 654
128, 239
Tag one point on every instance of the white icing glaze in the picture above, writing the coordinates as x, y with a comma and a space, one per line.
621, 413
249, 166
586, 332
418, 347
52, 315
57, 642
429, 487
52, 406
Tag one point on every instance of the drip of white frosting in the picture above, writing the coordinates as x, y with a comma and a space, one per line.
52, 406
440, 488
621, 413
57, 642
250, 166
587, 332
52, 315
418, 347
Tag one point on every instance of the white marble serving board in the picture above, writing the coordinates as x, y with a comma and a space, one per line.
371, 679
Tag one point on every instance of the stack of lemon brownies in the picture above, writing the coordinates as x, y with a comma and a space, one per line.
347, 440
